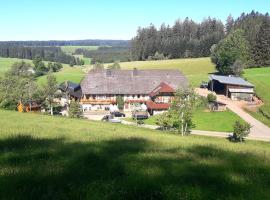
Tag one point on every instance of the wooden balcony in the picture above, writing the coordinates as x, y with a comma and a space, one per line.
98, 101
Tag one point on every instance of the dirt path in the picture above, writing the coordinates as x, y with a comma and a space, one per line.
258, 130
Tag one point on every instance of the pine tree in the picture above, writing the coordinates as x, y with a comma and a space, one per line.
75, 110
261, 50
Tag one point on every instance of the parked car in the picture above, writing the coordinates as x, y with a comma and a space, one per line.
204, 84
110, 118
140, 115
118, 114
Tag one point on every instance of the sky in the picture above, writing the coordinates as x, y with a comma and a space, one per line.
107, 19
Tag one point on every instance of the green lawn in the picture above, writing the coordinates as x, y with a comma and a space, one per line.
43, 157
195, 69
207, 121
260, 77
72, 49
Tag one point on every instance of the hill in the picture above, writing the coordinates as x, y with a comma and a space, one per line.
6, 63
260, 77
45, 157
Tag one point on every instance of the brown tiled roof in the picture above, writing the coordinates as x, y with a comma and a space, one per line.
130, 81
162, 88
157, 106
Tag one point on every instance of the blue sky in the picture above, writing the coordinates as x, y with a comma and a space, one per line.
107, 19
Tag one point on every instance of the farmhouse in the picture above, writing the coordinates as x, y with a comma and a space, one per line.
152, 88
235, 88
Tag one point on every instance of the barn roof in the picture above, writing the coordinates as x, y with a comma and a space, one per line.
157, 106
162, 88
231, 80
130, 81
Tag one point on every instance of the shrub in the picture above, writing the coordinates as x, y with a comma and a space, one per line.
240, 130
75, 110
120, 102
211, 98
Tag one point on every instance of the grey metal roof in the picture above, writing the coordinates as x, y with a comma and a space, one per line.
130, 81
232, 80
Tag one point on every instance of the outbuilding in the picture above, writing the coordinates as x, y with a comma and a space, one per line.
233, 87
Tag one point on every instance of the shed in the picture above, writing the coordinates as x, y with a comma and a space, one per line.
233, 87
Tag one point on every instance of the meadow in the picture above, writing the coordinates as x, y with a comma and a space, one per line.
72, 49
74, 74
260, 77
6, 63
196, 69
205, 120
43, 157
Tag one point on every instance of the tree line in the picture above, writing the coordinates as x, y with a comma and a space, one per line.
53, 54
190, 39
106, 54
247, 44
184, 39
56, 43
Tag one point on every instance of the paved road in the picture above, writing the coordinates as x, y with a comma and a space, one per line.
198, 132
258, 130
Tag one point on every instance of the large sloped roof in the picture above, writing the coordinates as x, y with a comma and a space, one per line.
232, 80
130, 81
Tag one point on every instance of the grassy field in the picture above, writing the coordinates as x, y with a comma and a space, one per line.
74, 74
72, 49
43, 157
195, 69
260, 77
208, 121
6, 63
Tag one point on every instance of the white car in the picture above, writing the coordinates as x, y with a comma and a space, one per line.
110, 118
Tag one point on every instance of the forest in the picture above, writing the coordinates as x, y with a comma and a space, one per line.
191, 39
53, 54
106, 54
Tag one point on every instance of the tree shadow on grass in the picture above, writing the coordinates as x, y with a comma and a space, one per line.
133, 168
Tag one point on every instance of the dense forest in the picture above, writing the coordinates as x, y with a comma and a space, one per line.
190, 39
120, 43
53, 54
106, 54
184, 39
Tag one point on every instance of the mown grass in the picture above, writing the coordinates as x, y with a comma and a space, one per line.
195, 69
72, 49
44, 157
260, 77
207, 121
74, 74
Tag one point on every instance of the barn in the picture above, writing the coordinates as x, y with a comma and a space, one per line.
233, 87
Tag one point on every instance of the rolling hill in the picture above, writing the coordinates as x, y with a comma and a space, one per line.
43, 157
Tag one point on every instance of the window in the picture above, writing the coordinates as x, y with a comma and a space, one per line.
139, 96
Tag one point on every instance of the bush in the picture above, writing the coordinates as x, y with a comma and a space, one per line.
120, 102
240, 130
211, 98
75, 110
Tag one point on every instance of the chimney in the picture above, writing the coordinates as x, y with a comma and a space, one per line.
135, 72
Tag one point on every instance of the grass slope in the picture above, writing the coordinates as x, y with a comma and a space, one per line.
44, 157
260, 77
195, 69
207, 121
72, 49
6, 63
74, 74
